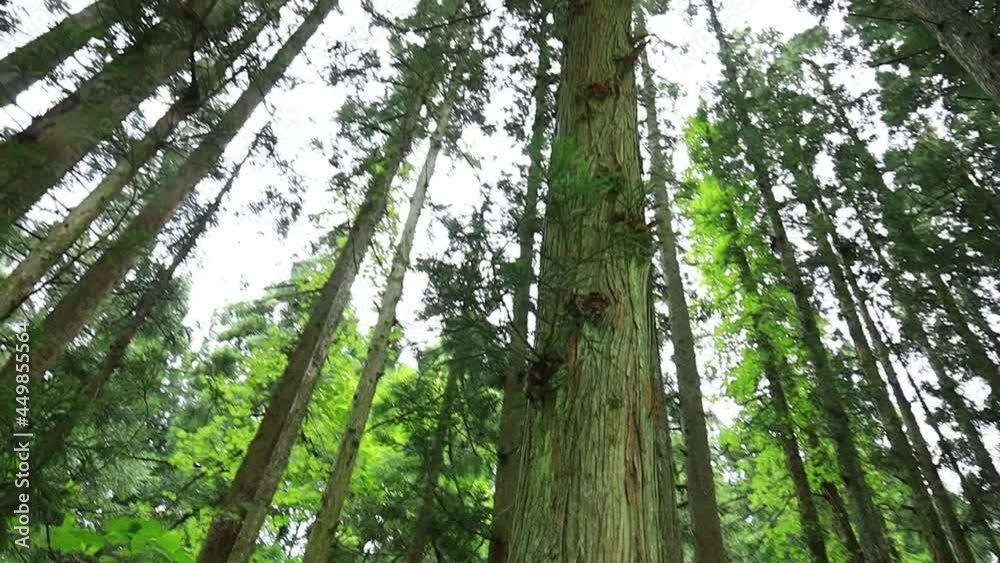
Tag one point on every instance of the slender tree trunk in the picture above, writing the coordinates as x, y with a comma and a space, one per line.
54, 440
513, 408
667, 473
702, 502
66, 320
838, 508
324, 530
35, 60
899, 444
877, 546
433, 465
588, 488
19, 284
963, 37
974, 306
34, 160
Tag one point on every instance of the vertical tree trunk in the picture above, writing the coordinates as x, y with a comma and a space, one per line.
19, 284
838, 508
963, 37
433, 465
876, 545
35, 159
702, 502
513, 407
68, 317
589, 489
35, 60
324, 530
667, 473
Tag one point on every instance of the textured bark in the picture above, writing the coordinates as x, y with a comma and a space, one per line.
324, 530
433, 465
68, 317
35, 159
35, 60
19, 284
513, 407
589, 489
876, 545
900, 447
52, 444
963, 37
703, 505
667, 474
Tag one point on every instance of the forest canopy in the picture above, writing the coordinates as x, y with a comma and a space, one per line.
520, 281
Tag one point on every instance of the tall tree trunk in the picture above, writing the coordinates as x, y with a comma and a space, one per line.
35, 60
66, 320
590, 434
963, 37
666, 472
242, 511
433, 465
921, 451
513, 407
324, 530
899, 445
19, 284
35, 159
877, 546
703, 505
55, 438
838, 508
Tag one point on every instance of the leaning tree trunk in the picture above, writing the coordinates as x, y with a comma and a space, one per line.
35, 60
324, 530
899, 445
588, 487
963, 37
433, 465
876, 545
703, 505
51, 338
19, 284
54, 440
513, 407
34, 160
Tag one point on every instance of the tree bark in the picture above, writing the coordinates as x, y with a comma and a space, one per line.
838, 508
19, 284
588, 489
34, 160
35, 60
963, 37
703, 505
513, 407
877, 546
324, 530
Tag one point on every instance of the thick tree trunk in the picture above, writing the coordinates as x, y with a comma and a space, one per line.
513, 408
877, 546
19, 284
899, 444
702, 502
35, 159
324, 530
68, 317
433, 465
963, 37
589, 489
35, 60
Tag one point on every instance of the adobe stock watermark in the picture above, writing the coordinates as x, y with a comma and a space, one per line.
22, 438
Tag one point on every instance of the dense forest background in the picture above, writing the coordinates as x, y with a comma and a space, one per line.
533, 281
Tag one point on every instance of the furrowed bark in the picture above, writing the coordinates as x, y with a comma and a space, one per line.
324, 530
433, 465
20, 283
35, 60
963, 37
876, 545
34, 160
68, 317
703, 505
591, 430
513, 407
